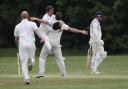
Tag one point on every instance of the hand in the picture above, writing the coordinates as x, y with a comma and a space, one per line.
101, 42
84, 32
33, 18
60, 30
42, 41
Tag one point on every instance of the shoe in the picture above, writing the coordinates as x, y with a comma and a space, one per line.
27, 82
64, 76
29, 64
95, 72
39, 76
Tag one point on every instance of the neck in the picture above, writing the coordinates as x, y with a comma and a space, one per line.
49, 14
24, 19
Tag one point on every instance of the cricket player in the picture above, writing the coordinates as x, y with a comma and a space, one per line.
54, 36
48, 16
25, 40
45, 27
96, 44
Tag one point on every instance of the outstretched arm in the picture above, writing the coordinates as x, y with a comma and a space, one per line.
74, 30
39, 20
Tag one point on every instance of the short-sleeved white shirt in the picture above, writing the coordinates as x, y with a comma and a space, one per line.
63, 27
55, 35
44, 27
25, 31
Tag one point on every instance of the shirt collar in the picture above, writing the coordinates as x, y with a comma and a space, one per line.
24, 20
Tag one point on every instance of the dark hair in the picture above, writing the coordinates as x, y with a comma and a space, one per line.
56, 26
48, 8
58, 15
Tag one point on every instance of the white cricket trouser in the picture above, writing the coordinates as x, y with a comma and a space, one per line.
47, 42
26, 51
58, 56
98, 55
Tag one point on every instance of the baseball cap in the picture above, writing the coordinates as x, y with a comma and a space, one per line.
99, 13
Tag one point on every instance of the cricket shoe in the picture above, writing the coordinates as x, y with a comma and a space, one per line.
39, 76
95, 72
27, 82
64, 76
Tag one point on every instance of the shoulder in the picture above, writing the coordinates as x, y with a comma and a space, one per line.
32, 23
95, 22
17, 26
64, 26
45, 16
53, 16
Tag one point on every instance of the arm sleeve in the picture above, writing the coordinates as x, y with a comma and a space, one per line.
64, 26
35, 26
16, 34
95, 34
45, 17
94, 31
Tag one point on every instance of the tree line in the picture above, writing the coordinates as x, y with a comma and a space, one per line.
76, 13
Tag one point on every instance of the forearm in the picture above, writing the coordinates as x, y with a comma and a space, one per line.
42, 21
74, 30
39, 20
39, 34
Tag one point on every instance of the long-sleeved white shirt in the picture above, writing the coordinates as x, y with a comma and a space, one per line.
95, 30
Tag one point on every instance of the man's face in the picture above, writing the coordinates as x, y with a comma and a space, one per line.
100, 18
24, 14
50, 12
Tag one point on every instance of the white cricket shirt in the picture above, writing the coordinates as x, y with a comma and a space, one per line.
44, 27
25, 31
95, 30
55, 35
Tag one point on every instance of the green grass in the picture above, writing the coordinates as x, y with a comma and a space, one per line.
114, 74
11, 52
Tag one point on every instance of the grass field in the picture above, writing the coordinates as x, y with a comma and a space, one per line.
114, 74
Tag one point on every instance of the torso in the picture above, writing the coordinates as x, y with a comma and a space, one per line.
26, 32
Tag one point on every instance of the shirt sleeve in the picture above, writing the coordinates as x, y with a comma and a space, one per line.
35, 26
16, 33
94, 30
64, 26
45, 17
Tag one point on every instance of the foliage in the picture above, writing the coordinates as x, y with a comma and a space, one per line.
76, 13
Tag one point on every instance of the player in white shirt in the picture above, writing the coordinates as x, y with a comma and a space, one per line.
96, 44
48, 16
25, 40
54, 36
